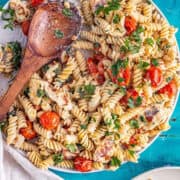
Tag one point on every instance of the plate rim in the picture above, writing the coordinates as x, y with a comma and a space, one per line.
152, 140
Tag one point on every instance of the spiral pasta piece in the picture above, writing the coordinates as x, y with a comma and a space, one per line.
28, 107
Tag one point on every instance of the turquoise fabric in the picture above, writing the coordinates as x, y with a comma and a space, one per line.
165, 150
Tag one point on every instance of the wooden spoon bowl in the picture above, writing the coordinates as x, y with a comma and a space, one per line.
50, 32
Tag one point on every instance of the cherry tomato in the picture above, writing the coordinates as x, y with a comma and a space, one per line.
124, 77
170, 89
35, 3
154, 74
133, 140
130, 24
49, 120
82, 164
25, 27
28, 131
92, 66
100, 79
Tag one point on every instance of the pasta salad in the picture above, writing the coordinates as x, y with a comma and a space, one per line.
108, 94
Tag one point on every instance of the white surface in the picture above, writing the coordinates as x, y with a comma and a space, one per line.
166, 173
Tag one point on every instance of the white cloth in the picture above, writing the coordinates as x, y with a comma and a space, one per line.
14, 166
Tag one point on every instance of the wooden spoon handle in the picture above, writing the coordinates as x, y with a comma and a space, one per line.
12, 92
31, 64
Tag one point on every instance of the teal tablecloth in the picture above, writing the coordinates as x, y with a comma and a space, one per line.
166, 149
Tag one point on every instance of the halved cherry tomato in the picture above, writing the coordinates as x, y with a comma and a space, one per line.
35, 3
133, 140
100, 79
130, 24
92, 66
49, 120
170, 89
82, 164
28, 131
25, 27
154, 74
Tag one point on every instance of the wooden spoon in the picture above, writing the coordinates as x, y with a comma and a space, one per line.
50, 32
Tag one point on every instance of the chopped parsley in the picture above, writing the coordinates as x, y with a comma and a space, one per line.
9, 16
142, 119
67, 12
131, 152
136, 34
83, 126
130, 103
115, 161
71, 147
107, 133
86, 91
134, 123
129, 47
111, 6
120, 79
116, 19
58, 33
149, 41
155, 62
57, 158
134, 103
26, 92
143, 65
45, 68
158, 42
122, 90
2, 125
113, 121
40, 93
17, 53
168, 79
118, 65
57, 71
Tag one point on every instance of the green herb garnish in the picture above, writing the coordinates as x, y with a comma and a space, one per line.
136, 35
57, 71
149, 41
26, 92
142, 119
9, 16
58, 33
143, 65
40, 93
17, 53
57, 158
67, 12
83, 126
131, 152
134, 123
116, 19
2, 125
120, 79
168, 79
138, 101
86, 91
148, 1
115, 161
71, 147
130, 103
155, 62
45, 68
111, 6
122, 90
107, 133
119, 65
